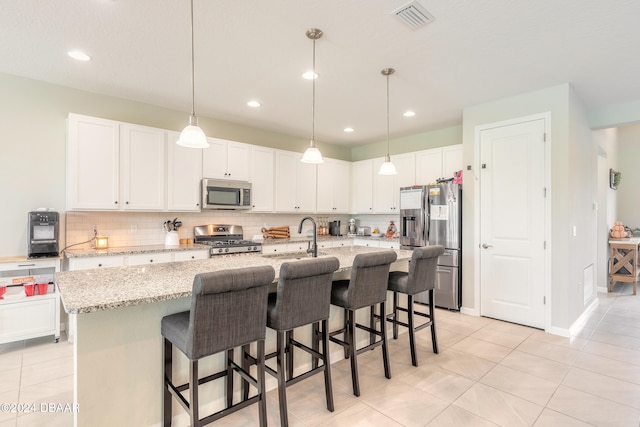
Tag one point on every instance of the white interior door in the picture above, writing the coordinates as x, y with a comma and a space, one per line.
512, 221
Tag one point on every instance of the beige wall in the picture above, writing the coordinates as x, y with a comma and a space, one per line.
628, 156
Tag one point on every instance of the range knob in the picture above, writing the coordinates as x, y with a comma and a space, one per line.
226, 250
220, 250
255, 248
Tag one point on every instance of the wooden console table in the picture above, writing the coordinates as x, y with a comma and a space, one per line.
623, 261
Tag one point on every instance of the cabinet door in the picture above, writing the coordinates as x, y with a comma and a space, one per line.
93, 155
184, 173
214, 159
238, 156
341, 187
190, 255
383, 186
95, 262
406, 177
428, 166
285, 171
262, 179
325, 188
306, 179
362, 186
142, 160
451, 160
153, 258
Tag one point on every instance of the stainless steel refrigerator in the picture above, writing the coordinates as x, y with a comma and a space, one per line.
432, 215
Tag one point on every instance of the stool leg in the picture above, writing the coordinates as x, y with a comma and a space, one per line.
328, 389
193, 391
289, 354
229, 378
346, 332
315, 342
282, 385
385, 349
432, 318
351, 340
262, 405
167, 355
395, 315
412, 332
372, 324
246, 366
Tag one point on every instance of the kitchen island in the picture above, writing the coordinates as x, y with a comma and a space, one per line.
118, 346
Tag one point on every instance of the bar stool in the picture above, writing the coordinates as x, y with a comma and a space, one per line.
366, 288
420, 278
302, 298
228, 310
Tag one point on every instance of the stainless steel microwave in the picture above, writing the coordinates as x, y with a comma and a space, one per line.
224, 194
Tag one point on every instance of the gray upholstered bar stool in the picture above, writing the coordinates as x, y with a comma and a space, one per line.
420, 278
228, 310
303, 298
366, 288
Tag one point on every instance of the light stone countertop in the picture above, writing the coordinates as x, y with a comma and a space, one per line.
304, 238
87, 291
130, 250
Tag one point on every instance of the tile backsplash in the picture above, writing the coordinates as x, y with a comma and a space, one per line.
145, 228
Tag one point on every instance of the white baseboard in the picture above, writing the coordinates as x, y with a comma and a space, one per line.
470, 311
580, 321
602, 289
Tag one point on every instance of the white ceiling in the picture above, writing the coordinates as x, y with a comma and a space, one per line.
474, 51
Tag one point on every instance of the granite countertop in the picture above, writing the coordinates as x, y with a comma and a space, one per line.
86, 291
305, 238
130, 250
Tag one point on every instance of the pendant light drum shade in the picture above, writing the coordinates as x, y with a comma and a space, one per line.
387, 167
312, 154
192, 136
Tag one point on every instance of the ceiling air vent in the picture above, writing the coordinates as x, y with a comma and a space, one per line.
414, 15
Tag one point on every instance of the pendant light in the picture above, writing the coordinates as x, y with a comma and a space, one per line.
387, 167
192, 136
313, 155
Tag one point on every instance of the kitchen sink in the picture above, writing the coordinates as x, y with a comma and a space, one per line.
292, 256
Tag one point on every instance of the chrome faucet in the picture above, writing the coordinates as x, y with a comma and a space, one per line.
314, 248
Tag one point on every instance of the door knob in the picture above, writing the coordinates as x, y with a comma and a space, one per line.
485, 246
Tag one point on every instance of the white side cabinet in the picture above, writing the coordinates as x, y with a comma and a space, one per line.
226, 160
262, 178
334, 177
86, 263
190, 255
23, 317
362, 187
295, 183
184, 173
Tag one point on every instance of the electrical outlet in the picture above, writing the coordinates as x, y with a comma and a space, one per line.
134, 228
95, 229
468, 167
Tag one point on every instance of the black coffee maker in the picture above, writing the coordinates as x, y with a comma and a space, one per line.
43, 234
334, 228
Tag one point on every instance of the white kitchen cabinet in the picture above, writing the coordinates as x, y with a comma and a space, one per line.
451, 160
366, 242
226, 160
334, 179
295, 187
386, 188
389, 244
262, 179
93, 157
86, 263
184, 174
23, 317
274, 248
190, 255
142, 168
114, 166
362, 187
150, 258
428, 166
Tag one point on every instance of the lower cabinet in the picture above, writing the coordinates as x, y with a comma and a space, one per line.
85, 263
24, 317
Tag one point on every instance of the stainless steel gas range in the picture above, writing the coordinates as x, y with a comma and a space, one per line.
225, 239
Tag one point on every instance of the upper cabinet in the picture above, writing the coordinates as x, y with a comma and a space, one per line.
362, 187
386, 188
184, 173
114, 166
93, 157
437, 163
262, 178
226, 160
295, 183
332, 193
142, 168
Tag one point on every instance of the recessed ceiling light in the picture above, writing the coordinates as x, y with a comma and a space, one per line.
348, 130
409, 113
310, 75
79, 55
254, 104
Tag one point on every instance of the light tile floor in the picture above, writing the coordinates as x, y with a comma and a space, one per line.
488, 373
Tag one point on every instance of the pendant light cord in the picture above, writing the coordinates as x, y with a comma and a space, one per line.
313, 97
387, 115
193, 84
